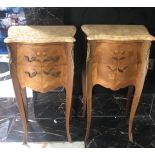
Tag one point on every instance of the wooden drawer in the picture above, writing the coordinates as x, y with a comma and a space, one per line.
41, 79
54, 76
126, 72
117, 74
107, 72
112, 52
38, 55
30, 76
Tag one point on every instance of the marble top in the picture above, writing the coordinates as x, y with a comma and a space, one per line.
40, 34
117, 32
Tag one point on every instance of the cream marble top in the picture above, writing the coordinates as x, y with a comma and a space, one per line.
40, 34
117, 32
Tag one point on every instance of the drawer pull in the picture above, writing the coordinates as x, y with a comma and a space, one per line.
27, 58
123, 69
52, 73
113, 70
31, 75
54, 59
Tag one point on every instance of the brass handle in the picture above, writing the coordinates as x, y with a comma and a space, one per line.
52, 73
54, 59
31, 75
27, 58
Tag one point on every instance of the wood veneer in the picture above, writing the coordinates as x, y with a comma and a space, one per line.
42, 67
115, 64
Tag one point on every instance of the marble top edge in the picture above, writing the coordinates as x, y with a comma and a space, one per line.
92, 26
117, 32
38, 33
43, 26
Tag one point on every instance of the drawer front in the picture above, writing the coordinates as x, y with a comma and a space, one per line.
41, 79
117, 74
104, 53
37, 55
126, 72
54, 55
54, 76
112, 52
30, 76
28, 55
107, 72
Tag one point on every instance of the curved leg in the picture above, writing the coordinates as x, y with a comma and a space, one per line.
20, 101
23, 92
69, 89
89, 111
129, 97
89, 101
84, 99
142, 70
135, 102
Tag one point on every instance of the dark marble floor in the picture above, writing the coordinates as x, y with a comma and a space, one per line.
112, 133
109, 121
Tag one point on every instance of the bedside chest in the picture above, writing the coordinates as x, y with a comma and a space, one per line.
117, 57
41, 58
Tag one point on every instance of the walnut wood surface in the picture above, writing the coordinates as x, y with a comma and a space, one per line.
115, 65
41, 67
41, 55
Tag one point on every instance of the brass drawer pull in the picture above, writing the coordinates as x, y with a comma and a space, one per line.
31, 75
54, 59
52, 73
27, 58
123, 69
